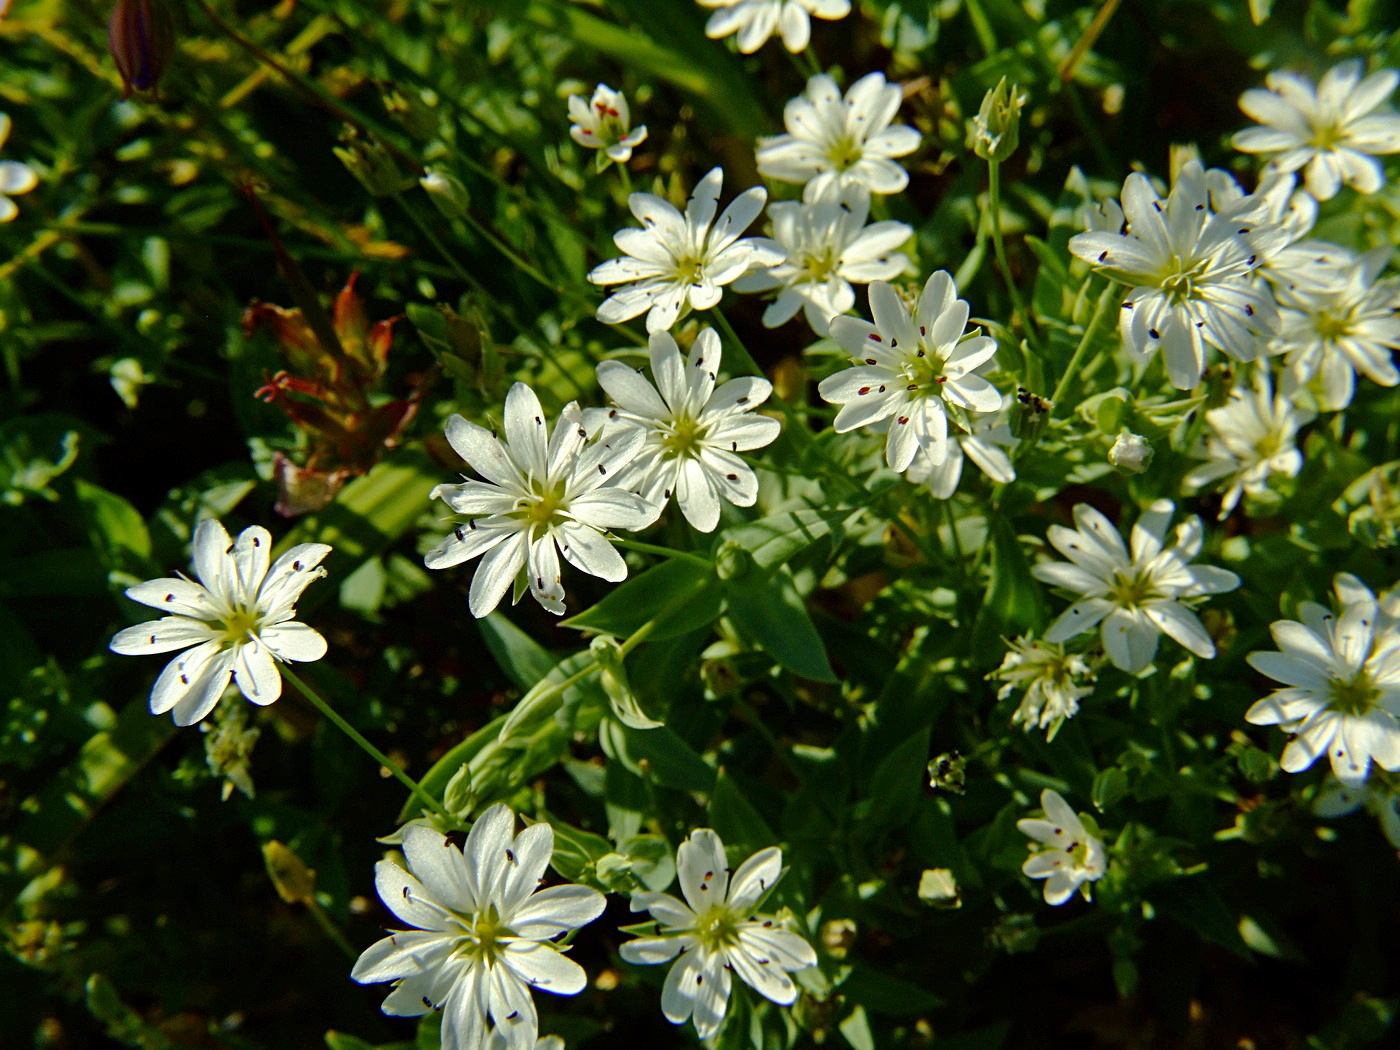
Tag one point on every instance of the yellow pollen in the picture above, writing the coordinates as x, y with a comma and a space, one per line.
241, 625
684, 438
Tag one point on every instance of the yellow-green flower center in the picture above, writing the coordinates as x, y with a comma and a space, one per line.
845, 153
1178, 278
1330, 326
485, 937
241, 625
820, 267
1132, 591
717, 929
1353, 696
684, 439
925, 373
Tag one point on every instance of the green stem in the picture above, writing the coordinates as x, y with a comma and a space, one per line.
999, 246
1085, 341
626, 177
354, 734
329, 928
665, 552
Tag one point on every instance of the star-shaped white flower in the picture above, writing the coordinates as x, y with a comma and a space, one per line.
1341, 677
987, 445
238, 618
482, 931
1050, 679
1251, 440
912, 370
756, 20
1137, 596
542, 496
1190, 271
1331, 130
604, 123
679, 262
827, 245
1071, 857
715, 932
693, 432
15, 178
845, 140
1326, 337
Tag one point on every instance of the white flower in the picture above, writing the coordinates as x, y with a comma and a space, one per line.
914, 371
238, 618
756, 20
1381, 800
827, 246
1071, 857
15, 178
831, 139
1331, 128
1049, 677
482, 933
1251, 440
1326, 337
603, 123
1342, 679
986, 445
1136, 596
542, 496
1190, 270
1293, 262
715, 932
693, 432
677, 261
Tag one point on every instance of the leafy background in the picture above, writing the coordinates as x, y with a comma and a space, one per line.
138, 907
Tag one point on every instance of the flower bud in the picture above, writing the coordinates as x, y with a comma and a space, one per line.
447, 193
996, 130
141, 37
371, 164
1131, 453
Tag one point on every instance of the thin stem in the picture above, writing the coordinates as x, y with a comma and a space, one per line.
368, 748
665, 552
999, 246
328, 927
1085, 341
626, 177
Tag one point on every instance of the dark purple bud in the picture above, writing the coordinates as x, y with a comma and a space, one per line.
141, 37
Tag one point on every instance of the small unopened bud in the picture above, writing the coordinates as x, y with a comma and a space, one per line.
141, 37
837, 937
371, 164
448, 194
938, 887
996, 130
1131, 453
293, 880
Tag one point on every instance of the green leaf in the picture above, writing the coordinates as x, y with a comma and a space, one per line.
897, 784
734, 817
343, 1041
883, 993
657, 755
773, 615
855, 1027
1197, 905
576, 851
113, 524
523, 659
776, 539
680, 595
1013, 603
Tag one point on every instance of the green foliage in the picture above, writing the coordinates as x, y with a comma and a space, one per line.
829, 671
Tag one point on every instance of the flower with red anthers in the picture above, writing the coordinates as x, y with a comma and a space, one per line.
914, 370
604, 123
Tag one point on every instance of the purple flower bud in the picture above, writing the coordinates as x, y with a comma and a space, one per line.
141, 36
